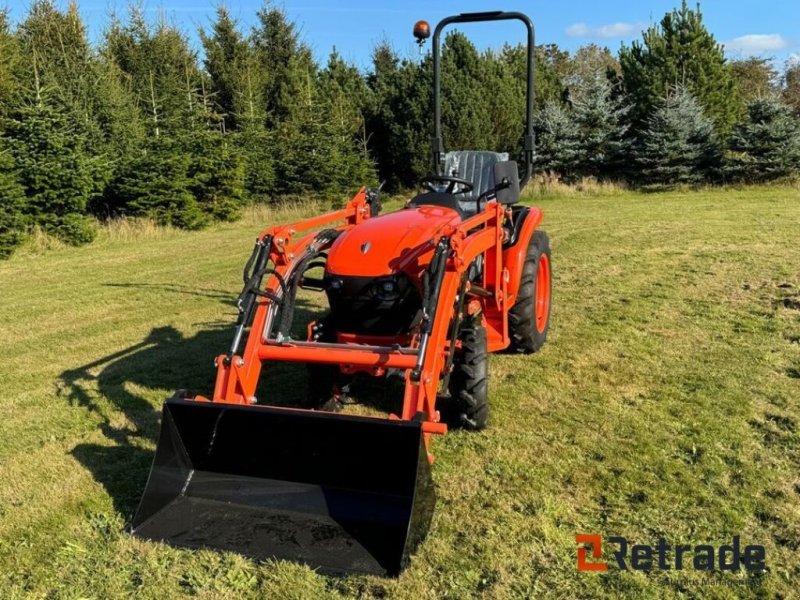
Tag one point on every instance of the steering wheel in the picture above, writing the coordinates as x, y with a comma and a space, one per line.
429, 180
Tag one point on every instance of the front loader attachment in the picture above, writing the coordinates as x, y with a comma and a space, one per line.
339, 493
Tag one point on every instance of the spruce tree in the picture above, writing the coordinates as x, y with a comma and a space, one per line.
680, 51
679, 144
55, 49
162, 69
58, 173
465, 118
286, 62
236, 85
344, 96
766, 145
12, 199
598, 122
216, 173
156, 184
504, 96
558, 147
380, 112
257, 148
9, 58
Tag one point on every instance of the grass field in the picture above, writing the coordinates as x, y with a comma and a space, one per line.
665, 403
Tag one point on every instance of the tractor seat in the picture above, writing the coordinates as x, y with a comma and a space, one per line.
476, 166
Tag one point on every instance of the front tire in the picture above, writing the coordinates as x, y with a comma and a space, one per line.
469, 381
529, 318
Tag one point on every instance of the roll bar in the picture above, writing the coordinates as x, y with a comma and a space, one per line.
438, 145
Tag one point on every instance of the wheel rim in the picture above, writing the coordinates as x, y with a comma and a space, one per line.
542, 309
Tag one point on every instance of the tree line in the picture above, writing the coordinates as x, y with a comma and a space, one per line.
144, 125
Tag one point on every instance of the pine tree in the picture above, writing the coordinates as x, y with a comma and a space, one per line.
791, 84
755, 77
679, 144
57, 172
12, 199
680, 52
766, 145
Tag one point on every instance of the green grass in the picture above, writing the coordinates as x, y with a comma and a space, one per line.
665, 403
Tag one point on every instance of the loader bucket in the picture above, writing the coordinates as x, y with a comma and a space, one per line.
339, 493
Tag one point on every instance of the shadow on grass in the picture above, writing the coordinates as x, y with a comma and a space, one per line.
164, 360
121, 388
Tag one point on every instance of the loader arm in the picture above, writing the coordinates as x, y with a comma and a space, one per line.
424, 360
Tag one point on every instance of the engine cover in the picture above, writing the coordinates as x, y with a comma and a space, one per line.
372, 276
384, 245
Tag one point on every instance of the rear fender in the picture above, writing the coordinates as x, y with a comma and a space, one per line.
514, 256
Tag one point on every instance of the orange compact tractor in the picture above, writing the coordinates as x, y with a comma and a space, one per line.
424, 293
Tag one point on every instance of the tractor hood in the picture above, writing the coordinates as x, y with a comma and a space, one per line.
389, 243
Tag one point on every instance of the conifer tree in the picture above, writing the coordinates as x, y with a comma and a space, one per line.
558, 146
162, 70
9, 58
286, 62
504, 96
236, 85
345, 97
58, 174
679, 145
755, 77
765, 146
791, 84
216, 173
156, 185
384, 118
465, 118
599, 124
680, 51
12, 199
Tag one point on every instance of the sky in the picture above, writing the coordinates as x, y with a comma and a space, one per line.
766, 28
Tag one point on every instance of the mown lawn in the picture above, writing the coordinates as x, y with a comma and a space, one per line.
666, 403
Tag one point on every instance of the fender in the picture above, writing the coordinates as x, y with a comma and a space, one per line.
514, 256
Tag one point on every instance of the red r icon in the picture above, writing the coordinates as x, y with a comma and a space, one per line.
597, 551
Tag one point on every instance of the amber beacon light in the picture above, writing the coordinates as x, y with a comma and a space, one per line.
422, 31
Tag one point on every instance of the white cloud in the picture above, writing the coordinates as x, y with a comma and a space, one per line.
612, 30
577, 30
755, 43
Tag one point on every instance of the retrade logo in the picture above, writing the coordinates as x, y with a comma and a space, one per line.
664, 556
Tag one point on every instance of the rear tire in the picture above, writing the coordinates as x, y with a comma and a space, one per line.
469, 381
529, 318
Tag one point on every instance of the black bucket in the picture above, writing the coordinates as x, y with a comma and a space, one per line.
339, 493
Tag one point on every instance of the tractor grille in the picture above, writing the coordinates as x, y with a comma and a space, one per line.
373, 305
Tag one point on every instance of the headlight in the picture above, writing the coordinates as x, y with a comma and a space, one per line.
386, 289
